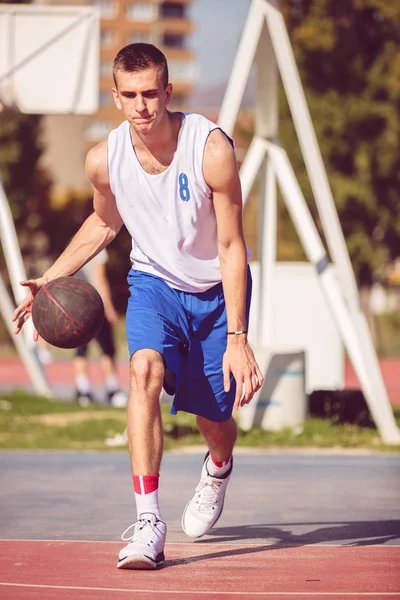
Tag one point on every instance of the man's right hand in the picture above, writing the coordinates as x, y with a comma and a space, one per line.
24, 310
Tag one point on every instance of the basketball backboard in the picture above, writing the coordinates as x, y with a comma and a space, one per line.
49, 58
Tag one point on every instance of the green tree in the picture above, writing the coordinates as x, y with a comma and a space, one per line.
348, 54
26, 184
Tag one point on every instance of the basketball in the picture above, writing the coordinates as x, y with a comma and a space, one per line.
67, 312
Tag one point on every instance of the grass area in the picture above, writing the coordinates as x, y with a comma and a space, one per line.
33, 422
388, 334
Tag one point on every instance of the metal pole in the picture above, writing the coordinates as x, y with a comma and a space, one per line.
241, 66
311, 153
251, 166
268, 245
377, 399
29, 358
24, 341
15, 265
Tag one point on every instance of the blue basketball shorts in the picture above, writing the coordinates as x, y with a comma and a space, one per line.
189, 331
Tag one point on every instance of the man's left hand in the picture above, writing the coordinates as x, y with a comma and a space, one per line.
239, 360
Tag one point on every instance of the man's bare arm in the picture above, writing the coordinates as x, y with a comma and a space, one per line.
221, 174
99, 229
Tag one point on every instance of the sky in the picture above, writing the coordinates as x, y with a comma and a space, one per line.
218, 27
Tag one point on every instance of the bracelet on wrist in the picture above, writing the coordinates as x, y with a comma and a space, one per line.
241, 332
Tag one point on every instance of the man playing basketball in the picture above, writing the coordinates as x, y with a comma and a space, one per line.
172, 179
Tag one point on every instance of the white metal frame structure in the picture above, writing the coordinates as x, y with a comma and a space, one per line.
265, 43
35, 42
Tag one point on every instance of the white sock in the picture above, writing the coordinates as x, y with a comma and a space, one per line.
111, 384
146, 494
218, 469
82, 383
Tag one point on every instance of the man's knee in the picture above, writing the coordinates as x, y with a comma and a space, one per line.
146, 371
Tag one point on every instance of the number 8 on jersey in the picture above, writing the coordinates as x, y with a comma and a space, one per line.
183, 187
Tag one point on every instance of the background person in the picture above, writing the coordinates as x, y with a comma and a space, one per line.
95, 273
44, 352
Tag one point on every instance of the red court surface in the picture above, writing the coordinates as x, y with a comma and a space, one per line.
60, 372
75, 570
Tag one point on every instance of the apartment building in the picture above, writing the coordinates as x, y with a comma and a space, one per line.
165, 24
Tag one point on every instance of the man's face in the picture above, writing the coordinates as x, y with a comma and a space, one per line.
142, 98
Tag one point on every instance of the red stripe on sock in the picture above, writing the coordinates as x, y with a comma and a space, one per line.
150, 483
220, 464
145, 484
136, 484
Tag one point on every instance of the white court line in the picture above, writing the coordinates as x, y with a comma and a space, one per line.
195, 592
202, 544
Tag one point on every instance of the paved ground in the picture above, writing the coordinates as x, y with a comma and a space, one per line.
306, 526
282, 499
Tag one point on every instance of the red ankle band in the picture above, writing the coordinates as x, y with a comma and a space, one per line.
220, 464
145, 484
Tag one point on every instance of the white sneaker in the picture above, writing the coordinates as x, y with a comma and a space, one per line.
84, 399
119, 439
118, 399
205, 507
146, 545
45, 356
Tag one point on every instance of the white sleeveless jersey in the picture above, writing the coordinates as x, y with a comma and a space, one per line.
170, 216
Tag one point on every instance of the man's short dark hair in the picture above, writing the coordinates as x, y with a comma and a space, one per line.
138, 57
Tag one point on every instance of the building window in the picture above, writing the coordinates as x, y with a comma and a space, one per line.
181, 71
178, 100
142, 12
107, 38
108, 8
173, 9
97, 130
136, 37
106, 68
105, 98
172, 40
